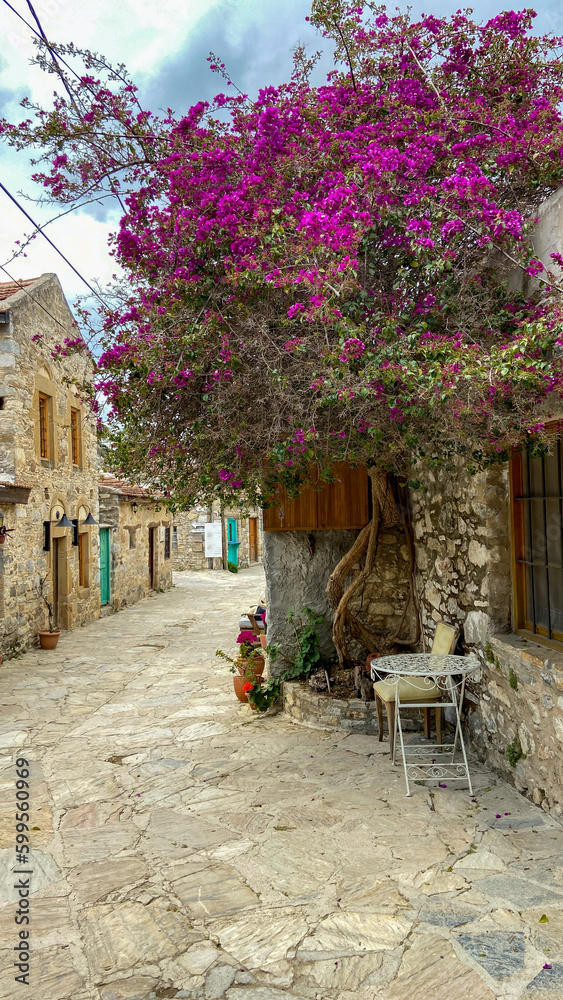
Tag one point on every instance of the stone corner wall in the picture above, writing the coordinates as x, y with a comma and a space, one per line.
462, 544
515, 716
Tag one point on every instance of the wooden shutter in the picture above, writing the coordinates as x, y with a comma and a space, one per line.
342, 504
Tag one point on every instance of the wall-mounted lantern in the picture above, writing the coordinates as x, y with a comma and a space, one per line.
77, 521
3, 529
59, 519
134, 506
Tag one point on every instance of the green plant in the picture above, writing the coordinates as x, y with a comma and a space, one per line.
263, 695
513, 680
232, 567
308, 645
48, 603
15, 649
514, 752
489, 654
245, 661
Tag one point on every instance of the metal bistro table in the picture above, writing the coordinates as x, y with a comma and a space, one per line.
426, 672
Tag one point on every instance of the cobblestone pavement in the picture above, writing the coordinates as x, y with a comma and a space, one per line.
183, 846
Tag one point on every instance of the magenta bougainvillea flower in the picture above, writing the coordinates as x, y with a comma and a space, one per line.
325, 273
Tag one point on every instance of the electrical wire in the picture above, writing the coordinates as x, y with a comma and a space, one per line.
50, 242
22, 287
53, 55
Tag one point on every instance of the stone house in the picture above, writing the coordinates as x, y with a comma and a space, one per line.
242, 538
48, 466
135, 543
488, 558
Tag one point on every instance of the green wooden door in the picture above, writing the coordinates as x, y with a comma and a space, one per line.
233, 543
104, 566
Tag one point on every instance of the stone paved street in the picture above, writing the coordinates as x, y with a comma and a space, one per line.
183, 846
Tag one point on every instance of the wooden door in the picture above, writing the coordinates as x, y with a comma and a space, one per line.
55, 557
232, 540
152, 559
105, 590
253, 539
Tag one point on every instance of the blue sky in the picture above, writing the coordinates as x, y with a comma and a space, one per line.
164, 43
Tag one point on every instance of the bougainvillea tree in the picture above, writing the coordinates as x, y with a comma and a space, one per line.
325, 273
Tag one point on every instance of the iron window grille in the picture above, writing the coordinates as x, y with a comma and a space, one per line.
538, 532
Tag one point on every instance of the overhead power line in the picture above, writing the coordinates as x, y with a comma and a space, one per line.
50, 242
22, 288
53, 55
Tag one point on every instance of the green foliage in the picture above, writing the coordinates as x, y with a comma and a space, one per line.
247, 656
308, 647
513, 680
262, 696
15, 649
514, 752
232, 567
489, 654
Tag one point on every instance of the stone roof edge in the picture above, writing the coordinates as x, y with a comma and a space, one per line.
27, 290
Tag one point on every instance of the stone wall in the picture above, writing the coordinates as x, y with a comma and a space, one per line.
303, 705
189, 549
320, 711
39, 320
461, 528
129, 547
464, 577
515, 716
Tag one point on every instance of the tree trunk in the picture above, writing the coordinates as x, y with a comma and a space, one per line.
384, 514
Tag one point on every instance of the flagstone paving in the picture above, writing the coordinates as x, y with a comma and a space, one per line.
183, 846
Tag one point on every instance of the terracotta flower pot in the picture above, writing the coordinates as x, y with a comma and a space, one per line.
239, 680
249, 667
49, 640
263, 641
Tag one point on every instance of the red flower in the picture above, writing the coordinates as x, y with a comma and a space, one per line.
248, 687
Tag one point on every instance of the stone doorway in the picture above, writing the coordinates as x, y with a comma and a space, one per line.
152, 558
56, 558
253, 539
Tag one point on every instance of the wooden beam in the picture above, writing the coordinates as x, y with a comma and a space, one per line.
14, 494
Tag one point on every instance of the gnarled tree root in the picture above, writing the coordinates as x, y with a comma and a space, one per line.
389, 507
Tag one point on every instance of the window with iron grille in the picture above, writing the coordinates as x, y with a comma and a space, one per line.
44, 407
167, 543
174, 537
538, 535
75, 436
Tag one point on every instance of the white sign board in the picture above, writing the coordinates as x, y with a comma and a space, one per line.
214, 541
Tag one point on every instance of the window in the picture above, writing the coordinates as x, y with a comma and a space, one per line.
538, 535
83, 559
75, 436
174, 537
167, 543
132, 538
44, 428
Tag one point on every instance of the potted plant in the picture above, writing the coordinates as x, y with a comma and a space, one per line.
250, 650
48, 639
246, 669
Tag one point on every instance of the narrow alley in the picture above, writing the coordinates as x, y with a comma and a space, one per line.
184, 846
